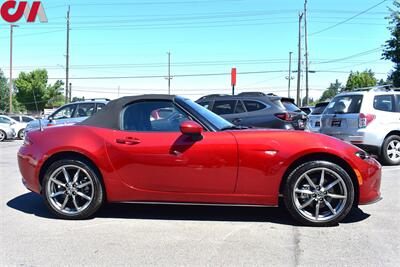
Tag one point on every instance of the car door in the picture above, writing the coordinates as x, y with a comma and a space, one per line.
63, 116
150, 153
83, 111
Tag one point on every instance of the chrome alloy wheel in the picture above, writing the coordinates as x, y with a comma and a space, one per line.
320, 195
70, 189
393, 150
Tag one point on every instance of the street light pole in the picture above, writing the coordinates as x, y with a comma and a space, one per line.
306, 49
298, 100
169, 73
290, 72
11, 61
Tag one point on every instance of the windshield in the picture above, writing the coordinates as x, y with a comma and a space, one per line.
319, 109
219, 122
347, 104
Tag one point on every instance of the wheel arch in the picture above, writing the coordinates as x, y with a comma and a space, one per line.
69, 155
322, 157
394, 132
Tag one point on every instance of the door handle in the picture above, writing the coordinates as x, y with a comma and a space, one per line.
128, 141
237, 120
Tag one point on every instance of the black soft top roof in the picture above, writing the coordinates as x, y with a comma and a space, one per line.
109, 116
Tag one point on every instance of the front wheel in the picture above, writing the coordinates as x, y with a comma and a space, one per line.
319, 193
72, 189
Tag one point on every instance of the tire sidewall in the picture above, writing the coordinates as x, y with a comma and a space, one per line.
21, 132
4, 136
98, 194
385, 156
294, 176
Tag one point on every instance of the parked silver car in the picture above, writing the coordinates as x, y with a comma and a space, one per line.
69, 114
314, 118
18, 127
6, 132
369, 118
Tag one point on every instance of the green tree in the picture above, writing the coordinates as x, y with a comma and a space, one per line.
5, 96
360, 80
34, 92
392, 46
331, 91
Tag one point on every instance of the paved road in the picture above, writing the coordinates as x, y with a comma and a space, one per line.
142, 235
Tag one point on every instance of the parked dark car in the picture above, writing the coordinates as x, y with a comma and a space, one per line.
256, 109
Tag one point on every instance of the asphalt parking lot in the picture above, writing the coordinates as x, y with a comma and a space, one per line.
143, 235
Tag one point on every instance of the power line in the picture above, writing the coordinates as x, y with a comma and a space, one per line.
346, 20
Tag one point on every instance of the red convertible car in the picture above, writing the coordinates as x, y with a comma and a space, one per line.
192, 156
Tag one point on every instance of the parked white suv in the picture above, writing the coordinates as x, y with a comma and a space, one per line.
368, 118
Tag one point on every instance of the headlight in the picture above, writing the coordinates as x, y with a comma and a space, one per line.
27, 140
363, 155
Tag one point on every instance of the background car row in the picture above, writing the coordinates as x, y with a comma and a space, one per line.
368, 118
13, 126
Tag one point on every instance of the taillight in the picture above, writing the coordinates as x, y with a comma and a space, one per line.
365, 119
284, 116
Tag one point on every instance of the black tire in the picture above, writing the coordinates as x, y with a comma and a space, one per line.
332, 172
385, 155
3, 135
21, 134
95, 191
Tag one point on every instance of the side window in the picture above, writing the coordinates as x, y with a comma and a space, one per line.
253, 105
26, 119
152, 116
100, 106
4, 120
15, 118
384, 102
206, 104
224, 107
64, 113
85, 110
398, 103
239, 107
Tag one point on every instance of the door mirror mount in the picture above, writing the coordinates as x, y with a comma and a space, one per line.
193, 129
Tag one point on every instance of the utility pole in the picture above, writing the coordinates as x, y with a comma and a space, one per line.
298, 101
306, 48
169, 73
289, 77
67, 59
11, 61
70, 92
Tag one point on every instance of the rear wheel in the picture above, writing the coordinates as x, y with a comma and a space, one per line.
319, 193
391, 150
72, 189
3, 136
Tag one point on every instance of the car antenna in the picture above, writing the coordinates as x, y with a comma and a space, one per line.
37, 110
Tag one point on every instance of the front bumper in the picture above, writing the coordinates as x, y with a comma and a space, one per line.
370, 181
29, 168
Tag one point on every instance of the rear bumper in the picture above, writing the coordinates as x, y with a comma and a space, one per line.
360, 137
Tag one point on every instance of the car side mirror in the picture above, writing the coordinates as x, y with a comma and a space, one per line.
50, 118
193, 129
12, 122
